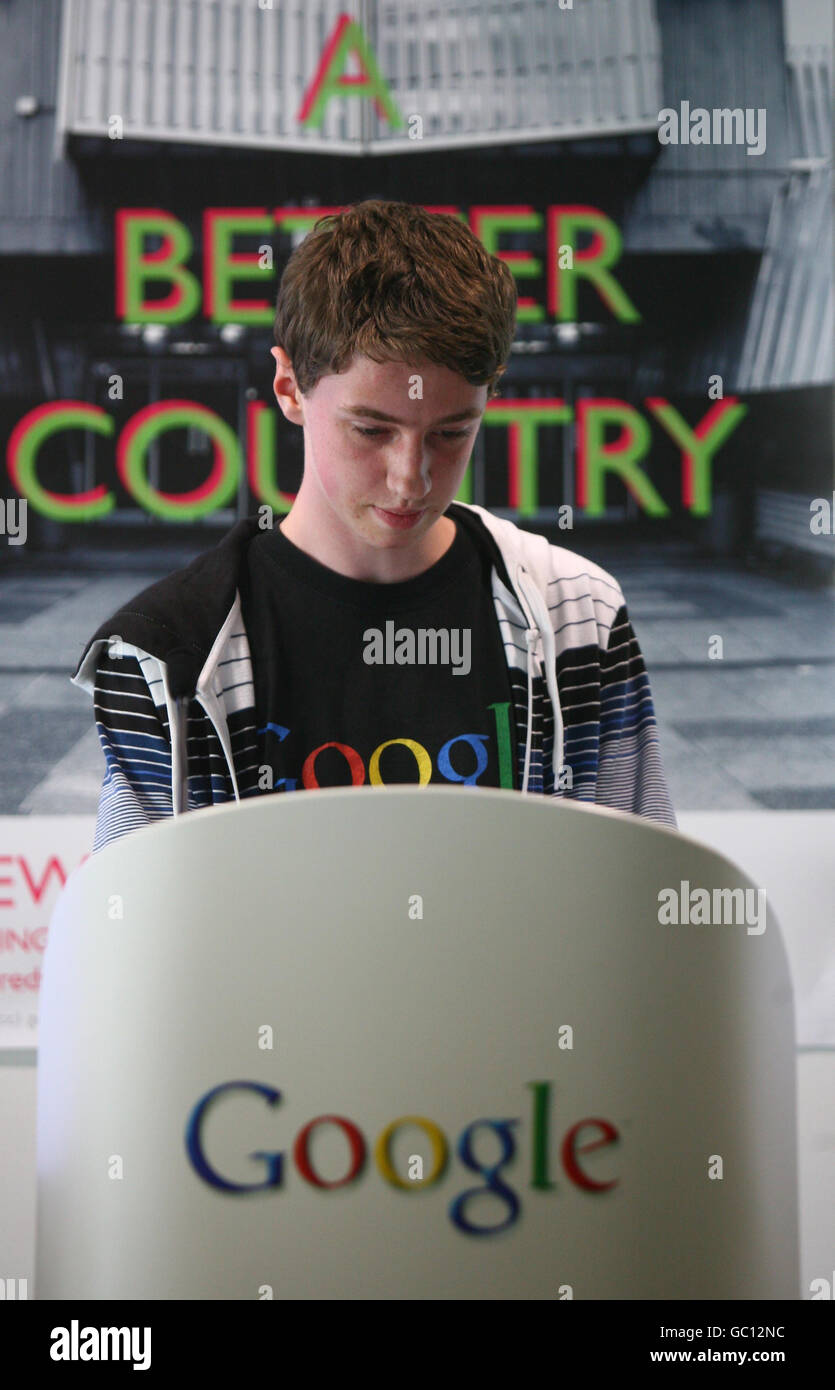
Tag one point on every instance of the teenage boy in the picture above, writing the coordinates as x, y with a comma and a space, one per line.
382, 632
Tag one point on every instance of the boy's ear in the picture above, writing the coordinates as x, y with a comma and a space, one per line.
286, 388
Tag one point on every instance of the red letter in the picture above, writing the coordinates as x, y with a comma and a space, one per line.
569, 1154
38, 889
302, 1158
6, 878
351, 756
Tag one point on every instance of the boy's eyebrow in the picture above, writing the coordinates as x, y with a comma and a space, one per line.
472, 413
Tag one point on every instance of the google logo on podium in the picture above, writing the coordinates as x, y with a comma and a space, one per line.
579, 1140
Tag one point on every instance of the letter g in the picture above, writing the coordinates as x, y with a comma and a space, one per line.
194, 1141
493, 1183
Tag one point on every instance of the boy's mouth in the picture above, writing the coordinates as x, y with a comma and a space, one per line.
400, 519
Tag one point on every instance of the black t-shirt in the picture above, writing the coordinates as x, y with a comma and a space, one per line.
359, 682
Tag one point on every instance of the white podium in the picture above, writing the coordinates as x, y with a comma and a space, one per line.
414, 1043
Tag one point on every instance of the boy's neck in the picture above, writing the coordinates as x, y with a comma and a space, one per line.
347, 555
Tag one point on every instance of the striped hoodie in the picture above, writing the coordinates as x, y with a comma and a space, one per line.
171, 679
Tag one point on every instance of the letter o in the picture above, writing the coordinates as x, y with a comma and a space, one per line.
382, 1154
351, 756
422, 758
154, 420
301, 1157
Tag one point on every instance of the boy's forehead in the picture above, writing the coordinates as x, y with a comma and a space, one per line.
394, 370
399, 376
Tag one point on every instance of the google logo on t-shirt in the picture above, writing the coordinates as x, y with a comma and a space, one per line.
576, 1143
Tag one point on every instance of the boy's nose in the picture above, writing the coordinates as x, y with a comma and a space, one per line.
408, 473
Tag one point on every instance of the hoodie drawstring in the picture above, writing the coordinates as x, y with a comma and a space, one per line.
532, 603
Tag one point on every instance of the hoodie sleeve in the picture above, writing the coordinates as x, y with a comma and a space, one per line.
137, 751
630, 775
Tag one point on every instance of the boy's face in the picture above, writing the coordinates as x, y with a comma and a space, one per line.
374, 489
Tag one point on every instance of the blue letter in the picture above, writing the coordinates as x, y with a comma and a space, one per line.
476, 742
195, 1149
502, 1128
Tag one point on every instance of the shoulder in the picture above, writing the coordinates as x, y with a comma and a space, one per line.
562, 575
197, 597
184, 611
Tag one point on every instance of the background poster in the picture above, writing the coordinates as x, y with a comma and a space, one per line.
667, 410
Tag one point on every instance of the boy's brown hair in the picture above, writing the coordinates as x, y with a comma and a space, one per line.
395, 283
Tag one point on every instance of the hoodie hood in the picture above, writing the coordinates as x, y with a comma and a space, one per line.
178, 619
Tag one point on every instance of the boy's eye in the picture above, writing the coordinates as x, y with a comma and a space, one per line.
371, 433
